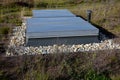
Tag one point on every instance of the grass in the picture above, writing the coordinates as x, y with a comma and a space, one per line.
4, 30
103, 14
117, 77
73, 66
11, 18
116, 29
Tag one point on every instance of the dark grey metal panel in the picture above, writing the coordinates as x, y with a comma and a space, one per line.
52, 13
60, 29
62, 33
63, 40
33, 21
64, 26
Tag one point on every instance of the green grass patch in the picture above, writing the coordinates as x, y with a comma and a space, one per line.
12, 18
117, 77
4, 30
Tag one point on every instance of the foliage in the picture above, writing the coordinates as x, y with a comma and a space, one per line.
13, 19
115, 77
92, 75
4, 30
104, 13
6, 10
73, 66
35, 75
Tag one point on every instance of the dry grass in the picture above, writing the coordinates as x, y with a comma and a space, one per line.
72, 66
105, 15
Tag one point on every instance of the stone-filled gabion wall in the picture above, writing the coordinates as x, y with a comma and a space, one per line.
17, 45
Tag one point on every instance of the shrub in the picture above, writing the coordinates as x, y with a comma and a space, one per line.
92, 75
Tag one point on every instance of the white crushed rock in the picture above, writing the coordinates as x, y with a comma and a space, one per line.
17, 41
